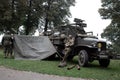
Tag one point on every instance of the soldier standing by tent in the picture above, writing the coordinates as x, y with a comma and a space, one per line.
69, 42
7, 43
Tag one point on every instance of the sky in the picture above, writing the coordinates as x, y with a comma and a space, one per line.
88, 11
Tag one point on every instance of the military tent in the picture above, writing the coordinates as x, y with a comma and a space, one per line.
32, 47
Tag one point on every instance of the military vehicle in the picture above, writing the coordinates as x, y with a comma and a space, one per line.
87, 47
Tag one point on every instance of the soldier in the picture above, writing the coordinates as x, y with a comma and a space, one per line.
7, 43
69, 42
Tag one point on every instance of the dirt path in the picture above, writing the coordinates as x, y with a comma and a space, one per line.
9, 74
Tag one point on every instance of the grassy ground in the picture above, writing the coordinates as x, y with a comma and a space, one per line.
94, 71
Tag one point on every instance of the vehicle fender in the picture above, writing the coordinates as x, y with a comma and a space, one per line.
77, 48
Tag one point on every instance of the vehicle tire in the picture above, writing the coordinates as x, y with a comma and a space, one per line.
104, 62
83, 58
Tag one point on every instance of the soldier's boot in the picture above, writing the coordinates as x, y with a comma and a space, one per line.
62, 64
78, 67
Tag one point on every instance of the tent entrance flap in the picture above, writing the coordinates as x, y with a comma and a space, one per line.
32, 47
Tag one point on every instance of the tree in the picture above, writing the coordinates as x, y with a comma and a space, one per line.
111, 10
4, 14
15, 13
32, 15
29, 14
11, 16
56, 12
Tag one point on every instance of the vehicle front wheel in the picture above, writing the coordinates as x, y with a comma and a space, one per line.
104, 62
83, 58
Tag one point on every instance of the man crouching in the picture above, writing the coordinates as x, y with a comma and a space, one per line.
69, 42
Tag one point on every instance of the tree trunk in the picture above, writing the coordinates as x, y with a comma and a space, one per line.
47, 15
46, 24
28, 26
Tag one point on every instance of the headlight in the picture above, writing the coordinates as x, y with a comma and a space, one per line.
99, 45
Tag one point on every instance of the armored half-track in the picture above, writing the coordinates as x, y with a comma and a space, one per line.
87, 47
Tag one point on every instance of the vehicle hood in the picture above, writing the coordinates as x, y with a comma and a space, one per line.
90, 41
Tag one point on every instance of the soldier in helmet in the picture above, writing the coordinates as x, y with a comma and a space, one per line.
7, 43
69, 42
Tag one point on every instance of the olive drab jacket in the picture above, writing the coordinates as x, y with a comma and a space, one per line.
7, 40
69, 42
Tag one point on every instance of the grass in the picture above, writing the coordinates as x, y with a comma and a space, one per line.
94, 71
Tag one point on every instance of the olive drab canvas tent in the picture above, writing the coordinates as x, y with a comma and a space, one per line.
32, 47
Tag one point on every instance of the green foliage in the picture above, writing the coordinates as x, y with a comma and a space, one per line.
56, 12
15, 13
94, 71
111, 10
9, 17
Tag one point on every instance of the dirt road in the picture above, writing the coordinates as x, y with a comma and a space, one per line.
9, 74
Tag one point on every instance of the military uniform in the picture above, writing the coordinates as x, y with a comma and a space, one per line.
7, 43
69, 42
